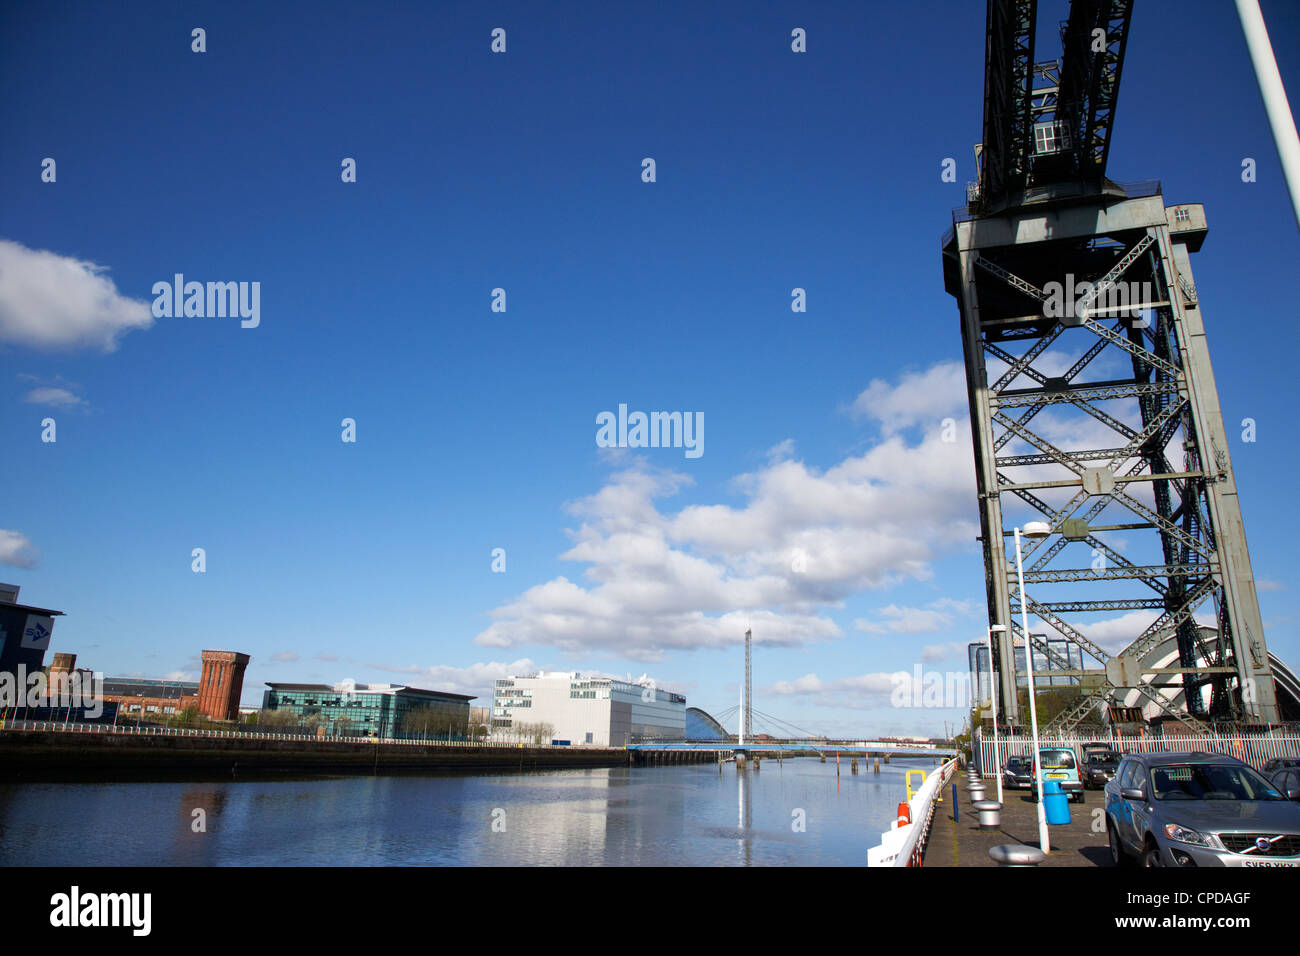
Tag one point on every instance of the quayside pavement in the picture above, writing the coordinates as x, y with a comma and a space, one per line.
963, 843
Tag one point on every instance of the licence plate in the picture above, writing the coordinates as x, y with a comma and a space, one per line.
1056, 776
1270, 863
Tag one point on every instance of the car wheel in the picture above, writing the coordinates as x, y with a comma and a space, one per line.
1083, 797
1117, 854
1151, 855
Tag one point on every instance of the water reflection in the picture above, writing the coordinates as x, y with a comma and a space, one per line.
631, 816
746, 814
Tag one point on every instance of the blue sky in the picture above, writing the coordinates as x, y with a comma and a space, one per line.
476, 429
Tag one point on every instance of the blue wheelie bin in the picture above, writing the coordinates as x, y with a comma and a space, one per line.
1056, 803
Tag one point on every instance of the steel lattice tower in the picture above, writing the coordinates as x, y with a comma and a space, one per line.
1091, 394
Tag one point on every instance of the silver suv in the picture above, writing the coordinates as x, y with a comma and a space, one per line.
1198, 809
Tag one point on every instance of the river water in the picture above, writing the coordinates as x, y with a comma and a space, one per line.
795, 812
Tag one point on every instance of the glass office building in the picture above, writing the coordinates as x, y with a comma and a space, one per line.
1067, 651
380, 710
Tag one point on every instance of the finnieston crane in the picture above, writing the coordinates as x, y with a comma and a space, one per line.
1097, 403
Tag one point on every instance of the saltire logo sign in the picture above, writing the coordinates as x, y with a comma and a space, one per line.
36, 633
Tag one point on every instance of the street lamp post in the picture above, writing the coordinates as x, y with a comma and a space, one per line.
1032, 529
993, 686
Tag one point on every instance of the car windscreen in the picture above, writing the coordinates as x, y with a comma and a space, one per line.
1057, 759
1210, 782
1103, 758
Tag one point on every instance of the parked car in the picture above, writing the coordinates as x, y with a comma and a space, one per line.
1279, 763
1060, 764
1198, 809
1287, 781
1099, 767
1018, 774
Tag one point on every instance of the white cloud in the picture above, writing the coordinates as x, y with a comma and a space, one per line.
1116, 633
16, 550
914, 620
49, 301
1264, 585
54, 397
284, 656
803, 540
862, 692
953, 650
898, 690
925, 397
780, 451
907, 620
476, 679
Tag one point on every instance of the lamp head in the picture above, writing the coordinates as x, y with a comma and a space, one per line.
1036, 529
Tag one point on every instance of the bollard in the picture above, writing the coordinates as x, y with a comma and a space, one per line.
875, 768
990, 816
955, 818
1016, 854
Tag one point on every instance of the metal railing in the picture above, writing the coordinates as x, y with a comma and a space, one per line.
905, 845
74, 727
1254, 749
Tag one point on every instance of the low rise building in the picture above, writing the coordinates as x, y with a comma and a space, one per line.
380, 710
149, 698
214, 695
601, 711
25, 633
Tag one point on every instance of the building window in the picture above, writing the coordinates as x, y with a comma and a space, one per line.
1051, 138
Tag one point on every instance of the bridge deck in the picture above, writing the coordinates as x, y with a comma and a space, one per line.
848, 749
963, 843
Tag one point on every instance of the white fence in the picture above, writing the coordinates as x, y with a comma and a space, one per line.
904, 845
1254, 749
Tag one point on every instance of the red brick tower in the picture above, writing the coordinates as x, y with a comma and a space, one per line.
221, 683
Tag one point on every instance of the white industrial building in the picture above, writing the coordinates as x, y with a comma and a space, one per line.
599, 711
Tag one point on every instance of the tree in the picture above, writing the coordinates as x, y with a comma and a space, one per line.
282, 717
1053, 701
536, 733
430, 720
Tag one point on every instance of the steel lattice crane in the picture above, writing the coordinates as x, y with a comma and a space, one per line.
1092, 398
